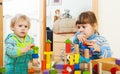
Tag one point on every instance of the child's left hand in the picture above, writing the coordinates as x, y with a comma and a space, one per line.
35, 62
95, 46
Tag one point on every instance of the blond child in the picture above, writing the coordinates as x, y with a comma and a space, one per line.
18, 46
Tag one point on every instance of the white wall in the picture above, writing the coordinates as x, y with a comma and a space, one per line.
75, 7
109, 21
31, 8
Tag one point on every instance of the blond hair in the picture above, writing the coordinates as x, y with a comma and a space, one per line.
20, 17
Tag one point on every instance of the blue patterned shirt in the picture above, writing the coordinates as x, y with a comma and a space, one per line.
105, 50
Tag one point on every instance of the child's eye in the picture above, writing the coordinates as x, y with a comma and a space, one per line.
78, 27
83, 26
26, 26
20, 25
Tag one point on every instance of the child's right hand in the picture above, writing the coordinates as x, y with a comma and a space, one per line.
81, 38
26, 49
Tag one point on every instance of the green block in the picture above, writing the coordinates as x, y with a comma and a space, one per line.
2, 70
53, 71
86, 72
36, 49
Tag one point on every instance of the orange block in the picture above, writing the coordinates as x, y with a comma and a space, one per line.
31, 71
43, 65
48, 47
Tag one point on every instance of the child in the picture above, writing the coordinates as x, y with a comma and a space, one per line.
88, 35
18, 46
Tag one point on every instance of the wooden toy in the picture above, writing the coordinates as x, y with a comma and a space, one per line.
2, 70
68, 45
108, 64
48, 46
117, 61
31, 71
77, 72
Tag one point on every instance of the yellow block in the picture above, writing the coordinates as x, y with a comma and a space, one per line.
77, 72
71, 59
48, 53
48, 66
77, 56
48, 59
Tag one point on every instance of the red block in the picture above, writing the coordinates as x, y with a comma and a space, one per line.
65, 72
68, 47
113, 70
43, 65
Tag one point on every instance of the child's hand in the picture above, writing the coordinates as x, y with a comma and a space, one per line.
82, 38
95, 46
29, 47
26, 49
35, 62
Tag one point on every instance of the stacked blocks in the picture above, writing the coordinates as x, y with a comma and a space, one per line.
36, 51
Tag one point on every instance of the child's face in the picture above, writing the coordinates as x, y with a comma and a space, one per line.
86, 29
20, 28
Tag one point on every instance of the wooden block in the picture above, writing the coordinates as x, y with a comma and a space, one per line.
86, 72
71, 59
77, 72
107, 63
90, 67
99, 68
76, 48
77, 57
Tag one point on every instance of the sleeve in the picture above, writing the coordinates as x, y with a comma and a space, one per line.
10, 48
105, 50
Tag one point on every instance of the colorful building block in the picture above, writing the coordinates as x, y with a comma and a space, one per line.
86, 72
76, 66
35, 49
2, 70
117, 61
77, 72
68, 47
35, 56
71, 59
65, 72
53, 71
48, 46
46, 72
59, 66
113, 70
43, 65
31, 71
77, 56
48, 66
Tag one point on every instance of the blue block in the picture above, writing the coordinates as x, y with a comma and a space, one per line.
77, 66
87, 60
81, 59
35, 56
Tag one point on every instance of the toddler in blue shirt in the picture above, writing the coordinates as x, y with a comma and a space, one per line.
87, 32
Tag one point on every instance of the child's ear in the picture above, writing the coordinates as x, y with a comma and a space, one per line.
96, 26
12, 28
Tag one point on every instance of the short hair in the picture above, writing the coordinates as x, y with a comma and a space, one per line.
20, 17
87, 17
